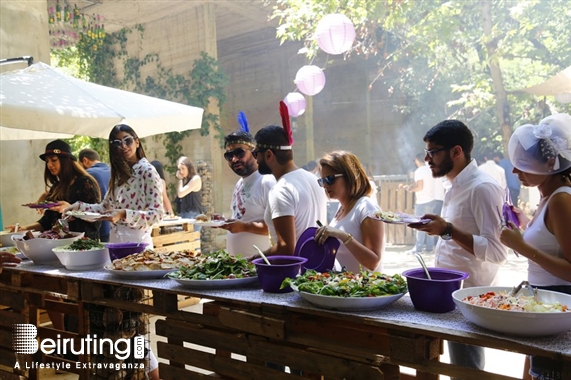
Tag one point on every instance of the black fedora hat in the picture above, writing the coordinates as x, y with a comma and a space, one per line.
58, 148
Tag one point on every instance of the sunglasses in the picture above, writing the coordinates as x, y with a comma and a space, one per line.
256, 151
128, 141
431, 152
329, 180
238, 153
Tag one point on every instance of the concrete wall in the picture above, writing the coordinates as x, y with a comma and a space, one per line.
23, 31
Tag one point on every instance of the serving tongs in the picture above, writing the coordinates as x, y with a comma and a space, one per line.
525, 284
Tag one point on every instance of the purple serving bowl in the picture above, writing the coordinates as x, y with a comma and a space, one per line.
272, 276
434, 296
120, 250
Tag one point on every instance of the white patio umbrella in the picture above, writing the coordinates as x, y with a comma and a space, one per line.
558, 85
40, 98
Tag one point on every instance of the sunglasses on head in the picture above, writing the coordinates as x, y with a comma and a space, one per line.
329, 180
128, 141
238, 153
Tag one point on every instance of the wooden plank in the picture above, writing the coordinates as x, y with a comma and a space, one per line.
175, 237
256, 324
189, 246
10, 317
12, 299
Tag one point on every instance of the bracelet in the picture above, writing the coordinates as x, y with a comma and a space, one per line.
348, 240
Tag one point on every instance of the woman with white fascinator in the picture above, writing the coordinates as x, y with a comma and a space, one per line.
541, 156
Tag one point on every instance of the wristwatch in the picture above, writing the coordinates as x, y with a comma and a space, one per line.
447, 234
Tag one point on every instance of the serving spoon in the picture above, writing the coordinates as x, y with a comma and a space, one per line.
262, 254
421, 261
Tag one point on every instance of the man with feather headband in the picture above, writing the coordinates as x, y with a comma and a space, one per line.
296, 202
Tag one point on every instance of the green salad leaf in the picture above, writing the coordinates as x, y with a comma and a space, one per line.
216, 266
347, 284
85, 244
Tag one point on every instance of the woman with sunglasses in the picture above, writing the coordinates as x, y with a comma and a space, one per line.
134, 200
188, 190
344, 179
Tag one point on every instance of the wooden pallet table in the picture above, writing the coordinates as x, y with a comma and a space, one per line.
184, 239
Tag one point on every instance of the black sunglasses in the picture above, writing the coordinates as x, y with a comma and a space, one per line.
256, 151
431, 152
329, 180
128, 141
238, 153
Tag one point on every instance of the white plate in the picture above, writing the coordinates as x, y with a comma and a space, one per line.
217, 284
349, 303
142, 274
173, 219
211, 224
515, 322
88, 216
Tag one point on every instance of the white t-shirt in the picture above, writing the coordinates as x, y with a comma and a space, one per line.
424, 174
351, 224
296, 194
249, 201
495, 171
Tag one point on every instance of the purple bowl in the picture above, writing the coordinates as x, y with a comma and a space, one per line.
272, 276
434, 296
120, 250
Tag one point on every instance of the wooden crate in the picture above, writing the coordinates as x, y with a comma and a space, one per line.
185, 239
393, 198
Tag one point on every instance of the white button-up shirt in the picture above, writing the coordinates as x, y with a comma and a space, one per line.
473, 203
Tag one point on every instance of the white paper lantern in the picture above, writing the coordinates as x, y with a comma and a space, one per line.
295, 103
335, 33
563, 98
310, 80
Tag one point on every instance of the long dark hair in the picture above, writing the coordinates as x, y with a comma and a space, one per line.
58, 186
190, 167
120, 169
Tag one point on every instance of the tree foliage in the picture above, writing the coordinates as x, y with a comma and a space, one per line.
461, 58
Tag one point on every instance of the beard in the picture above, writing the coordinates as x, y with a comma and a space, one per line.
444, 168
246, 169
263, 168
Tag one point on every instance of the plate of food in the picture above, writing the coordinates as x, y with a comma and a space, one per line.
45, 204
348, 291
86, 215
151, 264
215, 220
397, 217
216, 270
494, 308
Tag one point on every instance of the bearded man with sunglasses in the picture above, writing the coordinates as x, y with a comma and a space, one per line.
296, 202
249, 199
470, 225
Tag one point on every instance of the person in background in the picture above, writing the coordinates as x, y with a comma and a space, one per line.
513, 183
494, 170
189, 199
311, 167
469, 227
166, 201
134, 200
541, 156
246, 227
296, 202
91, 162
423, 189
343, 178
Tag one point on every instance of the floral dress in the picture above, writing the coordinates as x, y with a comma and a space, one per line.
141, 196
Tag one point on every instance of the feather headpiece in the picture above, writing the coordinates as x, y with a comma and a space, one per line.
286, 122
244, 127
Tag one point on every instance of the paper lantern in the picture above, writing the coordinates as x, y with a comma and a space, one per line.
295, 103
335, 33
563, 98
310, 80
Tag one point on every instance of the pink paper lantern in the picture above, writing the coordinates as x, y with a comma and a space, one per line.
295, 103
335, 33
310, 80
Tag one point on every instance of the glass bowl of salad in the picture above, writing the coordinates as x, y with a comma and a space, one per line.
493, 308
83, 254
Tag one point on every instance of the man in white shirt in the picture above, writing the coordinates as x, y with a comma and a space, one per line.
296, 202
423, 189
249, 199
494, 170
470, 224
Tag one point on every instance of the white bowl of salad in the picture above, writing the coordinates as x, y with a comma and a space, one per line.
493, 308
83, 254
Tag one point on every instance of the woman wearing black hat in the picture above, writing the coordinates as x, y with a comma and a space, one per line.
134, 201
66, 182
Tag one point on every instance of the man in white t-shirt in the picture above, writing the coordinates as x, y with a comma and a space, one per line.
494, 170
296, 202
249, 198
423, 189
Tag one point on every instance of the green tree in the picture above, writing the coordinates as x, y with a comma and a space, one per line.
467, 56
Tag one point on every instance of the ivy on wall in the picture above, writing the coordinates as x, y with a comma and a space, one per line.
204, 83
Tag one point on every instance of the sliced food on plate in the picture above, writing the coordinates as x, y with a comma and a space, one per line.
397, 217
150, 260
